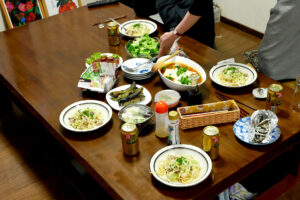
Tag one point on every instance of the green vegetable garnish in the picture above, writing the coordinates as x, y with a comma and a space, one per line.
233, 69
185, 80
144, 46
136, 25
181, 71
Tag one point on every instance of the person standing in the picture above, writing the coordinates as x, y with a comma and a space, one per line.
194, 18
278, 53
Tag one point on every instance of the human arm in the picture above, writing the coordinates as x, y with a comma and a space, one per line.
168, 38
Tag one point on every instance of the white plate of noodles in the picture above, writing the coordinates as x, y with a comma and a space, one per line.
137, 28
233, 75
86, 115
180, 165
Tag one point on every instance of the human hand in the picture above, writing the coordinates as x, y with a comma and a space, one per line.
166, 41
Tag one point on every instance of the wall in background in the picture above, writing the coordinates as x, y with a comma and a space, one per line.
251, 13
3, 26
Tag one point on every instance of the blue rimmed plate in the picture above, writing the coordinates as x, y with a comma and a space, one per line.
241, 130
245, 69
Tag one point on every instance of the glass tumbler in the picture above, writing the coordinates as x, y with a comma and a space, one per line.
296, 97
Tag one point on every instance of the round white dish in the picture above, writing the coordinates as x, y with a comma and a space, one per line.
139, 71
241, 130
260, 93
182, 150
151, 25
171, 97
71, 109
115, 104
188, 62
109, 54
216, 70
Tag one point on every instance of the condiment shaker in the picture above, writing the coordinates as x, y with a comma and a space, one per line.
161, 115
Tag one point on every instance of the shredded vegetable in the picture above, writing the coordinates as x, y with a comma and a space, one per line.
138, 29
182, 169
232, 76
86, 119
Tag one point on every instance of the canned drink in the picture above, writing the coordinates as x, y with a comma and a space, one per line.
130, 139
113, 33
211, 140
274, 96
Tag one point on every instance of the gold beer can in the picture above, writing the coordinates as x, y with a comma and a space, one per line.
274, 96
113, 33
130, 139
210, 141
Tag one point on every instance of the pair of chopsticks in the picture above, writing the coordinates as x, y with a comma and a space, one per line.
110, 19
161, 63
243, 113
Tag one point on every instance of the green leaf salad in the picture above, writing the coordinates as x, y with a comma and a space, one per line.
145, 46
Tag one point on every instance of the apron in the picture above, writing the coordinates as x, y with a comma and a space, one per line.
173, 11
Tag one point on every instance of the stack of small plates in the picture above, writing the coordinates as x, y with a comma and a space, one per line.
134, 69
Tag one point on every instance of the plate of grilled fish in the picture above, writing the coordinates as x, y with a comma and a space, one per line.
125, 95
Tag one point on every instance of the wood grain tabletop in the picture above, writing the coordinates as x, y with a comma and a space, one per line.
40, 64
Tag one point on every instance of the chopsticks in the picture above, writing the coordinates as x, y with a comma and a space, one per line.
110, 19
160, 63
226, 97
243, 113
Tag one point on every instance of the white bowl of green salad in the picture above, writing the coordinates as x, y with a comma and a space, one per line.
181, 74
143, 47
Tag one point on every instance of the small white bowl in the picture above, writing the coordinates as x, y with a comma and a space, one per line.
171, 97
188, 62
260, 93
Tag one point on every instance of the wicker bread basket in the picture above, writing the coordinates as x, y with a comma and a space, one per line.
208, 114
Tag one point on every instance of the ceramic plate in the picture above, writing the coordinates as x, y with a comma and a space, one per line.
110, 54
260, 93
71, 109
216, 70
115, 105
137, 64
242, 126
182, 150
151, 26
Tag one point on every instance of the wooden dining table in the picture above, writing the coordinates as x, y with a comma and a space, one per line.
40, 65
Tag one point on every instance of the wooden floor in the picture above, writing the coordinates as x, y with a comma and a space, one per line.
234, 42
24, 170
27, 171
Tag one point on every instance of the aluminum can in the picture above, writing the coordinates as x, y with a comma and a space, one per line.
210, 141
113, 33
274, 98
130, 139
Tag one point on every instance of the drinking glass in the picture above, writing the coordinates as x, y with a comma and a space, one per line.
296, 97
100, 19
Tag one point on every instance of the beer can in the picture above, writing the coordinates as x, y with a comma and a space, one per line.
130, 139
210, 141
113, 33
274, 96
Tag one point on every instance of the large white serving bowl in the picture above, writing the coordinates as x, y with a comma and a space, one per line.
188, 62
